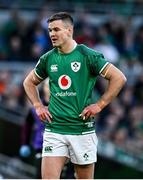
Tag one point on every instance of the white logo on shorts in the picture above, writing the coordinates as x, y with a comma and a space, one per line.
48, 148
86, 156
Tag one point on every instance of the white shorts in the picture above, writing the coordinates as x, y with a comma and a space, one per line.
81, 149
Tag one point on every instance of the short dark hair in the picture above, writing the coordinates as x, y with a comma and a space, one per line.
61, 16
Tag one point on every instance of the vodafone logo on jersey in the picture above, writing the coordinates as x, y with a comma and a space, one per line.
64, 82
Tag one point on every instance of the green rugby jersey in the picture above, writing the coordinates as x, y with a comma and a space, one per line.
72, 77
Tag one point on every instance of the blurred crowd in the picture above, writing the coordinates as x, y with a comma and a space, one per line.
119, 38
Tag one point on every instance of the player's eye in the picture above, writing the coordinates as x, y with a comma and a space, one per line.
50, 30
56, 29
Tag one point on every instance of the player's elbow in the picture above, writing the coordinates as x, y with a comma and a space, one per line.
25, 83
123, 79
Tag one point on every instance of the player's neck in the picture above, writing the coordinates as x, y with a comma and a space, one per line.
68, 47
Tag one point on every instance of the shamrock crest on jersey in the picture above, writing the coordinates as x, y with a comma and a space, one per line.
75, 66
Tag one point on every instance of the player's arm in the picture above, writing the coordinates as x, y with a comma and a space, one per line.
116, 81
30, 85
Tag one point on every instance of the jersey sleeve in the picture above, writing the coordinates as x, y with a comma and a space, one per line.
97, 63
40, 68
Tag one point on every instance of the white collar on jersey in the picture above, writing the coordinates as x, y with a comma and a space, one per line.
74, 46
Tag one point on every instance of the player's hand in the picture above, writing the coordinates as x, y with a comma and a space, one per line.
90, 111
43, 113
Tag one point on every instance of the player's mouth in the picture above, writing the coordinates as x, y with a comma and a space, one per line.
54, 40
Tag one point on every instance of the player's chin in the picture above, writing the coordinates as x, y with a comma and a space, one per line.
55, 44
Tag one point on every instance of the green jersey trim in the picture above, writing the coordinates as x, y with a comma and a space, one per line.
37, 74
88, 132
48, 130
103, 67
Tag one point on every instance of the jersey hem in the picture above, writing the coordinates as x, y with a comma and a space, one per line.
71, 133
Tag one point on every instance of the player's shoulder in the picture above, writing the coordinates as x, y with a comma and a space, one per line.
87, 51
48, 54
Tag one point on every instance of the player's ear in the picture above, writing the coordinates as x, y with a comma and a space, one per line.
70, 30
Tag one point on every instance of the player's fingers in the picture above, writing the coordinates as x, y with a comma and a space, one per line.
84, 112
49, 114
87, 115
80, 115
48, 118
42, 116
